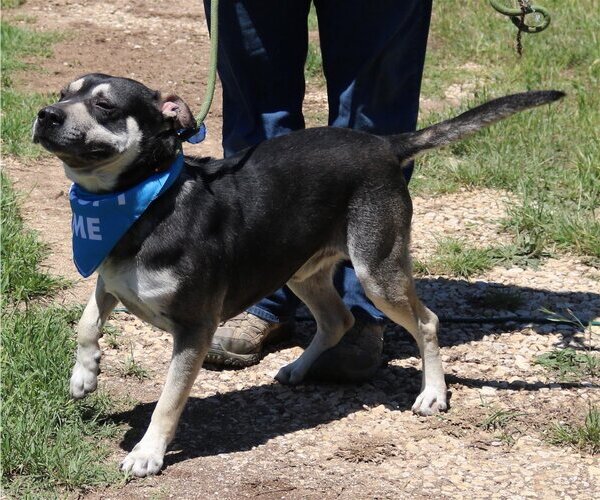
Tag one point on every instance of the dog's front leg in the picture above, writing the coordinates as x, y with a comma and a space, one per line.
87, 365
189, 350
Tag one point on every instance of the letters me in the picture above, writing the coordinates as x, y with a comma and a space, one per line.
92, 225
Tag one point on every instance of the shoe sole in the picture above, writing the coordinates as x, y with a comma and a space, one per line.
221, 358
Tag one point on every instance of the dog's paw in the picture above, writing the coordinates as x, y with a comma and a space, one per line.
291, 374
431, 400
85, 376
143, 461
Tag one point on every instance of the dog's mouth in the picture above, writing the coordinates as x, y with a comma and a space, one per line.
73, 156
52, 138
71, 148
48, 143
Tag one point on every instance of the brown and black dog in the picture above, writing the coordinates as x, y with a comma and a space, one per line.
228, 232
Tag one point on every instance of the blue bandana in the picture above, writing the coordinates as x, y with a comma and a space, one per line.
100, 220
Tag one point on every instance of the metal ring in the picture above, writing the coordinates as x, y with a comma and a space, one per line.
516, 14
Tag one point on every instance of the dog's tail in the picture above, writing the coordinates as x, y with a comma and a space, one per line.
411, 144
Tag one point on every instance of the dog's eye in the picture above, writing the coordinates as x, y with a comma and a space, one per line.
62, 95
105, 105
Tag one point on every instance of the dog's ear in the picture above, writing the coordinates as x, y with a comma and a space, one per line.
177, 111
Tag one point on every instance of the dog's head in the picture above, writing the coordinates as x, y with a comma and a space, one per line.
112, 132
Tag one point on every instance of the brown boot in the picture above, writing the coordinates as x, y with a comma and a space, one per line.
239, 342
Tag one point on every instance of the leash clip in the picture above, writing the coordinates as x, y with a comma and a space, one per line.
517, 16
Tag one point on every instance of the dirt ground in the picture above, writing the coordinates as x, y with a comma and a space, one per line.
243, 435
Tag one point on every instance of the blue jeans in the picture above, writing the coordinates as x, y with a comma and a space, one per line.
373, 56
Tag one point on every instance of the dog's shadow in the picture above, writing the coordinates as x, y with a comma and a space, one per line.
242, 419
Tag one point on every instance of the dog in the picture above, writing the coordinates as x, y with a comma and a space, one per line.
228, 232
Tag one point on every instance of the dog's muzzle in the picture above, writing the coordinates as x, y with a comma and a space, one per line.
51, 116
49, 120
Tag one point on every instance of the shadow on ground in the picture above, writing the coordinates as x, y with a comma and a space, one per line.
240, 420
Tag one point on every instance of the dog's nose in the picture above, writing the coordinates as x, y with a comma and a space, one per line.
51, 116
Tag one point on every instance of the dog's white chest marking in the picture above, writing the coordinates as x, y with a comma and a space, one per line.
146, 293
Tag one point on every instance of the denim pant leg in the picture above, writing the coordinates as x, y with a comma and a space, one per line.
373, 60
373, 57
262, 49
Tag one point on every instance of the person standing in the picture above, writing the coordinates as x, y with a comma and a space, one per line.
373, 56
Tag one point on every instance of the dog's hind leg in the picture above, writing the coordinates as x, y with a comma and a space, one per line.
332, 317
189, 350
84, 378
399, 302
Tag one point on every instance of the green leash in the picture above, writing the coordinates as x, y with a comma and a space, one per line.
212, 64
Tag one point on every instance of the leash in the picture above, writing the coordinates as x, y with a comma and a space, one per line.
212, 65
196, 135
517, 16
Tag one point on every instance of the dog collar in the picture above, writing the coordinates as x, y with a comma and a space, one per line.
100, 220
192, 135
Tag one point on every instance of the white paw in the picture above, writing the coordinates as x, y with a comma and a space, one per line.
291, 374
85, 377
143, 460
430, 401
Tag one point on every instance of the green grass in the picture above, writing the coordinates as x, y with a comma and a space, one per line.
499, 419
20, 253
9, 4
17, 44
19, 109
16, 127
584, 437
112, 336
49, 443
569, 364
548, 156
48, 440
131, 368
502, 422
454, 257
313, 67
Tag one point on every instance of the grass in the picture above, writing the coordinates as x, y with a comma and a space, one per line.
584, 437
548, 156
454, 257
49, 443
21, 279
48, 440
502, 423
20, 108
313, 67
131, 368
111, 335
570, 364
499, 419
8, 4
